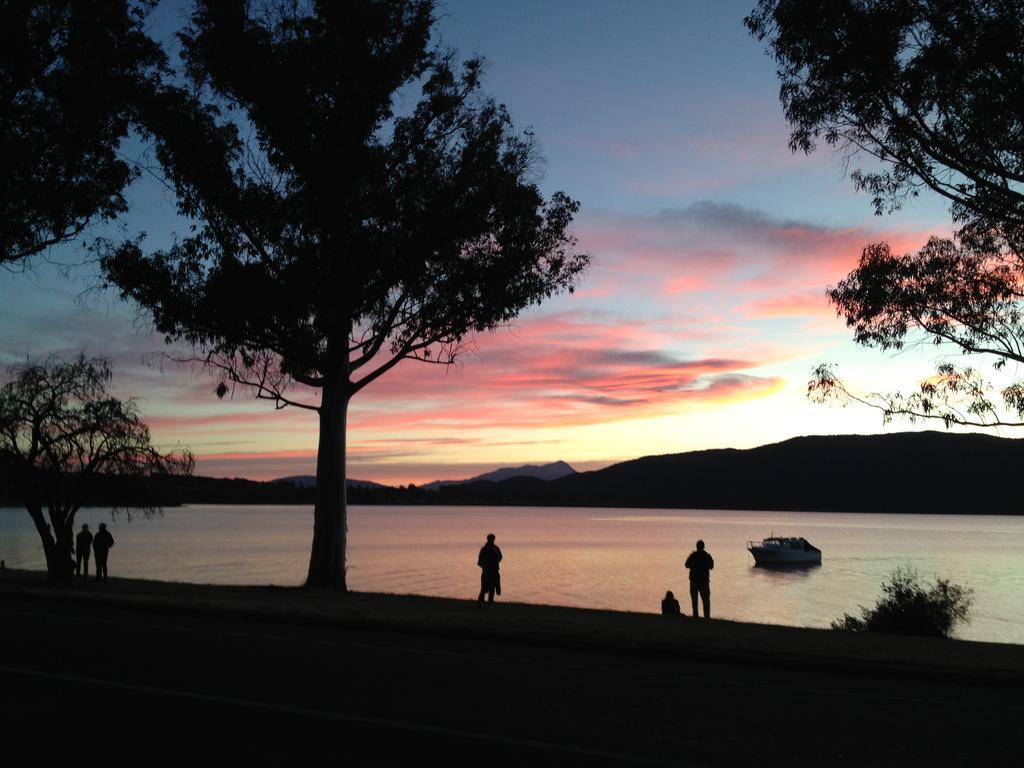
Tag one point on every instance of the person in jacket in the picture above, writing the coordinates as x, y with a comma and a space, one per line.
101, 544
670, 606
83, 546
699, 564
490, 579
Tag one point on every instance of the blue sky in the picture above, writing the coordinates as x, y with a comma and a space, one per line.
697, 326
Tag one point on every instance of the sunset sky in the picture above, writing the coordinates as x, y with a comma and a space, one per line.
697, 326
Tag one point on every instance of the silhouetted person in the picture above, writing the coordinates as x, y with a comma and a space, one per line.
490, 579
101, 544
83, 545
670, 606
700, 563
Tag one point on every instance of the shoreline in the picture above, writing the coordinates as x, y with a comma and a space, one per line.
626, 633
542, 505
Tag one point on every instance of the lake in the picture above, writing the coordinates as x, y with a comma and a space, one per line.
622, 559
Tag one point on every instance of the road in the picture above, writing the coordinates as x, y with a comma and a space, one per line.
138, 686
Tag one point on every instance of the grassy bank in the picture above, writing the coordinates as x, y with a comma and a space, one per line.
623, 632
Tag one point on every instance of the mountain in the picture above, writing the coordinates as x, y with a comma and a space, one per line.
551, 471
903, 472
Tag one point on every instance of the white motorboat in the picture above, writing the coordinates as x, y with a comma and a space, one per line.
784, 550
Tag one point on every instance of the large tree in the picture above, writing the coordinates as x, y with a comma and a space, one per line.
931, 94
71, 77
60, 430
358, 203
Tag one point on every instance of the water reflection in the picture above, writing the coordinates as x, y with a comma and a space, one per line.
786, 569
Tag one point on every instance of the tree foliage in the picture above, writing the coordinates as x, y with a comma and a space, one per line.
59, 430
929, 94
933, 89
906, 607
337, 235
71, 77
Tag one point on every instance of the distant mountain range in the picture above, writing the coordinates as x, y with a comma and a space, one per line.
309, 481
551, 471
542, 471
903, 472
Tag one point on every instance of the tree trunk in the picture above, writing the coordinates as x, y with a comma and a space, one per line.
327, 561
60, 568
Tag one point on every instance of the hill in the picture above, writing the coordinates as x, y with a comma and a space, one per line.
902, 472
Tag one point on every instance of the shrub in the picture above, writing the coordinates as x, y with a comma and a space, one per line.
906, 607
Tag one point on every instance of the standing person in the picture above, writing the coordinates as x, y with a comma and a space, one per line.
699, 564
490, 579
83, 545
101, 544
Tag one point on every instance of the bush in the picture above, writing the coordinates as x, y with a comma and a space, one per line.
907, 608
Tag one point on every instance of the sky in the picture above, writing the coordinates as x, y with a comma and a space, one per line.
697, 325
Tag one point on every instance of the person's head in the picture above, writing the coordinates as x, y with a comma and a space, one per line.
490, 538
85, 526
669, 595
103, 527
700, 544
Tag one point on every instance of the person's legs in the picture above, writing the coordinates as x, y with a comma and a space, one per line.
705, 596
78, 565
693, 598
490, 595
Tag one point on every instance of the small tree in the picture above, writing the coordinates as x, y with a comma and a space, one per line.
337, 237
907, 608
931, 93
71, 75
59, 431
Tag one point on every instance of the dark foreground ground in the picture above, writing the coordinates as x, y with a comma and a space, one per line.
145, 673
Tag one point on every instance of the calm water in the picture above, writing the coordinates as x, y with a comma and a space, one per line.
603, 558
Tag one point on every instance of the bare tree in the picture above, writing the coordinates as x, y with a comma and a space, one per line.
59, 431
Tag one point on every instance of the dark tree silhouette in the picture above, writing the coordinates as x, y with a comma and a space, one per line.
932, 89
955, 294
59, 430
931, 93
336, 234
70, 77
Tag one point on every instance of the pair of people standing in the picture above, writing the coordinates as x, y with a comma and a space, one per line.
100, 545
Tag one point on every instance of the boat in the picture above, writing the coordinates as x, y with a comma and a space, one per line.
784, 550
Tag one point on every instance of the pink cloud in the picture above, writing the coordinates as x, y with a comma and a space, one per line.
556, 370
708, 248
803, 304
670, 316
268, 418
684, 284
